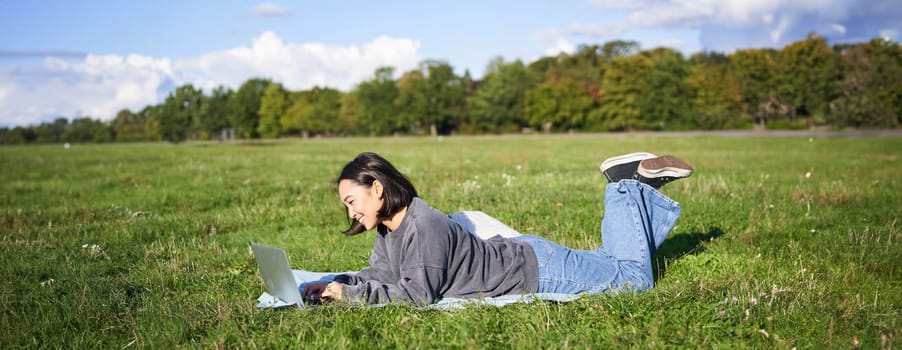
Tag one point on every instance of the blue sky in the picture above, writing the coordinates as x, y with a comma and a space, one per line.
93, 58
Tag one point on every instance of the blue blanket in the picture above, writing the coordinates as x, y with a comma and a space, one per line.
266, 300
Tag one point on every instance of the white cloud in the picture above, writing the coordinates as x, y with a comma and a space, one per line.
839, 28
299, 66
268, 9
781, 28
562, 45
731, 23
101, 85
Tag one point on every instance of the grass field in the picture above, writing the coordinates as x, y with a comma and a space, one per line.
784, 242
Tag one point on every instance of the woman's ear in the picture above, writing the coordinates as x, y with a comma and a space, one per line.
378, 189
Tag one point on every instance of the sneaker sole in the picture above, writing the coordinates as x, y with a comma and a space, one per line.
665, 166
626, 158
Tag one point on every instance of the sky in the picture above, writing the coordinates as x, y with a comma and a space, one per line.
92, 58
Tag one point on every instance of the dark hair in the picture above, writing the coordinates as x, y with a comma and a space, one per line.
397, 191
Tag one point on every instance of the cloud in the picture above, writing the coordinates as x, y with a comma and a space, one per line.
97, 86
561, 46
300, 66
268, 9
726, 25
100, 85
839, 28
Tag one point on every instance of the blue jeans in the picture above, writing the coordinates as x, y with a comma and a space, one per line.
637, 219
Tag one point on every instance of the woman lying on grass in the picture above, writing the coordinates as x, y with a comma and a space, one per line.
421, 256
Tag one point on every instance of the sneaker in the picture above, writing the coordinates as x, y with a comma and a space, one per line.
659, 171
623, 166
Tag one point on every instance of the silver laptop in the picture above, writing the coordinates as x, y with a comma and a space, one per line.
273, 265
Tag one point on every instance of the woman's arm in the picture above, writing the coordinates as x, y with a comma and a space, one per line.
379, 268
421, 272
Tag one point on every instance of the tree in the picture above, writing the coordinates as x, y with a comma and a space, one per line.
313, 111
377, 112
51, 132
348, 117
411, 102
178, 113
213, 116
244, 107
809, 76
273, 105
871, 93
17, 135
664, 102
619, 48
558, 104
714, 98
151, 117
127, 126
624, 82
85, 130
755, 72
433, 98
497, 105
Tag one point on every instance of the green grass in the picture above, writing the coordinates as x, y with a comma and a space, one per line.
784, 242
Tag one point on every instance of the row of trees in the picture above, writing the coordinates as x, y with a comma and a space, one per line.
612, 87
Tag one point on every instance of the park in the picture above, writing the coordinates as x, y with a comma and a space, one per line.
784, 241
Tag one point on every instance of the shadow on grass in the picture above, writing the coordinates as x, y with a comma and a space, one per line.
680, 245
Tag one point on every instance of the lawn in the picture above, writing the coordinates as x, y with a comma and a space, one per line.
784, 242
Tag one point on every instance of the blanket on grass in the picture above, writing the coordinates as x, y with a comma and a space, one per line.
477, 223
267, 300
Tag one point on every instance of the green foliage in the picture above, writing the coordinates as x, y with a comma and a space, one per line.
808, 76
128, 127
313, 111
52, 132
715, 99
411, 101
783, 242
214, 112
755, 71
624, 84
433, 97
83, 130
151, 115
664, 101
244, 107
558, 104
871, 91
273, 105
376, 104
348, 117
497, 104
178, 112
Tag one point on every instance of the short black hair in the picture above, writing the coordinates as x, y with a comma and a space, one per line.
397, 192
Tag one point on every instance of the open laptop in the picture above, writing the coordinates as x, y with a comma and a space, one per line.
273, 265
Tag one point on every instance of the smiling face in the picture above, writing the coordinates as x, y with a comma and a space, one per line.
363, 202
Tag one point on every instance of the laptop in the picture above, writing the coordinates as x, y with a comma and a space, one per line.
273, 265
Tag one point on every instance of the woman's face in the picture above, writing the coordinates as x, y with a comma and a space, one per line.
363, 202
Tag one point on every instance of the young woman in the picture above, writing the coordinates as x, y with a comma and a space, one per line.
421, 256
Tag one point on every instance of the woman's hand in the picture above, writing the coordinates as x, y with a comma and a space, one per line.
315, 293
333, 291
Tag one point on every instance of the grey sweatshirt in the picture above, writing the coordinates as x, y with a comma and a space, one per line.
430, 257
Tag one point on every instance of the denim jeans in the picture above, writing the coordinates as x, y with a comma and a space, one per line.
637, 219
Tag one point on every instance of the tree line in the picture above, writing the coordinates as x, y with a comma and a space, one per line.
610, 87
